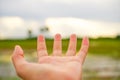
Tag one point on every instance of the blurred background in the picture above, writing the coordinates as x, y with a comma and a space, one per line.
21, 21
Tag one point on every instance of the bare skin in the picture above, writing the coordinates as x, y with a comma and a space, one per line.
55, 67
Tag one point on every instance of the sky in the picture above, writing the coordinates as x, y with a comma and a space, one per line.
92, 18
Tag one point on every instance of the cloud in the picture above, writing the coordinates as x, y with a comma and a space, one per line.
33, 13
42, 9
16, 27
82, 27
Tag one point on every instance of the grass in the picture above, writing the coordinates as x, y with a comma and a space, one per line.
9, 78
106, 47
102, 47
101, 78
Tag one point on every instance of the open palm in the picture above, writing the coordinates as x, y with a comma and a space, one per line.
55, 67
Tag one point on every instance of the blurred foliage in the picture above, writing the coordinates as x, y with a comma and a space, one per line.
106, 47
102, 46
9, 78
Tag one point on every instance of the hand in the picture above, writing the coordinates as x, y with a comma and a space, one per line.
55, 67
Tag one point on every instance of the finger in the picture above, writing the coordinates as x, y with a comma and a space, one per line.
18, 57
57, 47
84, 48
72, 45
41, 46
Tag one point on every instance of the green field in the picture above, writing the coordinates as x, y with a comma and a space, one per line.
98, 47
106, 47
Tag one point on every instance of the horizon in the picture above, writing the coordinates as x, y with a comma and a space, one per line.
93, 18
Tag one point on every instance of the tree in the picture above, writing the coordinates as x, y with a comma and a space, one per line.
118, 37
44, 29
29, 33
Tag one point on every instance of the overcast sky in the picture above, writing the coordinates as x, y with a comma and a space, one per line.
35, 12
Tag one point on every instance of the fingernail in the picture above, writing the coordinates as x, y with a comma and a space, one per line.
73, 37
57, 36
16, 49
40, 38
85, 41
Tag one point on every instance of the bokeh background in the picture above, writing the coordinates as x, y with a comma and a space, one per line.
21, 21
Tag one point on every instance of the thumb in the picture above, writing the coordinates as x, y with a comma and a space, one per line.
18, 56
